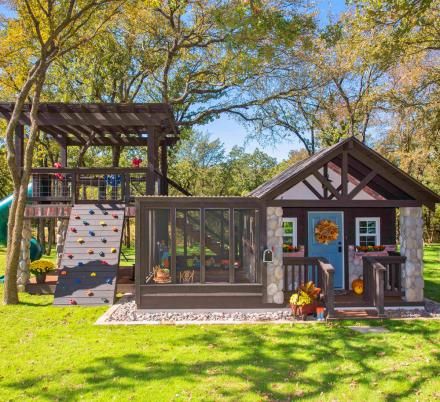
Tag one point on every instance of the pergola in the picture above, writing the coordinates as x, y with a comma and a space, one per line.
102, 124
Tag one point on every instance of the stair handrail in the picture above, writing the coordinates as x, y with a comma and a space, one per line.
374, 283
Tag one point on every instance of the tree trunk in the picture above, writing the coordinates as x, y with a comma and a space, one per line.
21, 181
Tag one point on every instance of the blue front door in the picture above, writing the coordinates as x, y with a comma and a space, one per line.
321, 224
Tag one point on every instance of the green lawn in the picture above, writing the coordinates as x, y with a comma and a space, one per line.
432, 271
50, 353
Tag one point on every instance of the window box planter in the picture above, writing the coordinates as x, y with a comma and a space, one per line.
296, 252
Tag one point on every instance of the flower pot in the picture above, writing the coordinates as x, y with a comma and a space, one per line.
303, 311
40, 277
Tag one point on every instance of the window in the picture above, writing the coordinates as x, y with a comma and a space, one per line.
290, 234
367, 231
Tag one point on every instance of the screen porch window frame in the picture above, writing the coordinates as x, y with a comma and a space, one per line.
376, 235
294, 233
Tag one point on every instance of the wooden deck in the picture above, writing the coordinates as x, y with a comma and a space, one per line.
124, 283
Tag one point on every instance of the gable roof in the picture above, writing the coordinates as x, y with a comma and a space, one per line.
390, 180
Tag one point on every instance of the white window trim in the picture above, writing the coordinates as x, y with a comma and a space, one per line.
367, 218
295, 230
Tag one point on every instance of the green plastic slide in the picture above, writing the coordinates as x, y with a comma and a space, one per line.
36, 251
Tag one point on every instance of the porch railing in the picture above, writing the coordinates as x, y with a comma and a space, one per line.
382, 277
83, 185
298, 270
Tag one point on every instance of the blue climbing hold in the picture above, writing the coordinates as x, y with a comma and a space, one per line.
109, 281
91, 211
104, 240
77, 281
105, 213
80, 264
91, 233
85, 223
101, 253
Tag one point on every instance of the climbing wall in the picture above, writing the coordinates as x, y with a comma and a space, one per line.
88, 270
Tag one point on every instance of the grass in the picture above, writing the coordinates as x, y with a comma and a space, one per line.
57, 354
432, 271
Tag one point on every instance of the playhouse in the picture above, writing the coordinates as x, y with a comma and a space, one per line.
330, 218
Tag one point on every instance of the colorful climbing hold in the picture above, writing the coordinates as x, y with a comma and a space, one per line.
90, 293
80, 264
77, 281
115, 216
93, 274
73, 230
63, 273
113, 250
105, 213
109, 281
77, 217
70, 256
72, 301
86, 223
104, 240
91, 233
90, 251
91, 211
80, 240
101, 253
103, 262
115, 229
102, 223
104, 300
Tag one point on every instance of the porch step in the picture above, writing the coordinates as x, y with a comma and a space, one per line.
188, 296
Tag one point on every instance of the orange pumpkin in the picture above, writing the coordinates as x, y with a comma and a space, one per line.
358, 286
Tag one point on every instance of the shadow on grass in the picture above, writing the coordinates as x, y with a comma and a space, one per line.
258, 357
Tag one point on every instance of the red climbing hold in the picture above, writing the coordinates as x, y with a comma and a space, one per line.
115, 229
115, 216
70, 256
73, 230
90, 293
72, 301
77, 217
63, 273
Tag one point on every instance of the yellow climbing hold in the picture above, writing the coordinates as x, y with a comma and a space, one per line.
113, 250
102, 223
93, 274
80, 240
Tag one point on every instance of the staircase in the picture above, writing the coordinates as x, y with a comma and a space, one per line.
89, 265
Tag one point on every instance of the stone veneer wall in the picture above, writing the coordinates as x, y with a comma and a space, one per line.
23, 273
411, 246
274, 270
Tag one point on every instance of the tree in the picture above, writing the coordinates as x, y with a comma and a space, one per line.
41, 33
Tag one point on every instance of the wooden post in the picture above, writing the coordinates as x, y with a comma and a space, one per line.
73, 195
152, 163
202, 246
344, 174
164, 169
173, 245
19, 145
231, 246
379, 273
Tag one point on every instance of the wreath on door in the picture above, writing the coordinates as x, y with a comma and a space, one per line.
326, 231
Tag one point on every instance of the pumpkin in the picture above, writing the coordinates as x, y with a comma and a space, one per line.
358, 286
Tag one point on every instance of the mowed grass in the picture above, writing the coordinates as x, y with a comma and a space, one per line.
431, 273
58, 354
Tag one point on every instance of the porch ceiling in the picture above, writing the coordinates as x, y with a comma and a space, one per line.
102, 124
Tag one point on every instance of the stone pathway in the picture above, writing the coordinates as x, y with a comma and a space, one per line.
125, 312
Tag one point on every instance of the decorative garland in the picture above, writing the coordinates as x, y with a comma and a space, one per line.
326, 231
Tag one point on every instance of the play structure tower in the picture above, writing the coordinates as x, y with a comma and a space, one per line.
92, 204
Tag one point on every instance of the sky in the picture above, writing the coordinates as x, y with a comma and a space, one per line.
228, 129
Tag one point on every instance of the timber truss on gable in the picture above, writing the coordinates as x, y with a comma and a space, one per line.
364, 179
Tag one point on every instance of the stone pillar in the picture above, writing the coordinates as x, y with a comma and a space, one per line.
23, 273
275, 273
411, 246
61, 237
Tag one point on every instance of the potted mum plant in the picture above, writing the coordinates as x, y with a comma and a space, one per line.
40, 268
304, 301
161, 275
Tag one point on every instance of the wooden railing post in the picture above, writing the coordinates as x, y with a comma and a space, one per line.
329, 277
73, 188
379, 273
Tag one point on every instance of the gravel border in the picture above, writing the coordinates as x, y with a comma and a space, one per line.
126, 313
